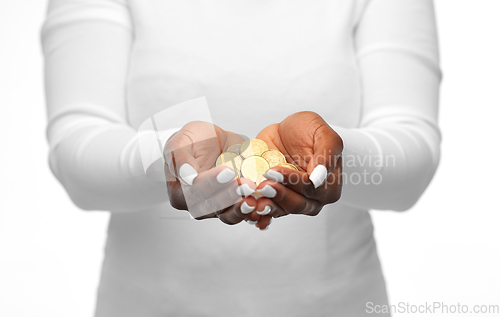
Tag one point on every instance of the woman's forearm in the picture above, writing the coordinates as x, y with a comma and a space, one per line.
93, 151
391, 157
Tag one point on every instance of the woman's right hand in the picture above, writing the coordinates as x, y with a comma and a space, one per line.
195, 186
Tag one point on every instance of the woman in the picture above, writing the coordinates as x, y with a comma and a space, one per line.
357, 77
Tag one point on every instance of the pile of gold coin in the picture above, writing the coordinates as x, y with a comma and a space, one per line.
251, 159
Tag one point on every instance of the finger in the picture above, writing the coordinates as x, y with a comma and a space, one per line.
297, 181
209, 182
300, 183
264, 223
181, 161
182, 196
184, 161
176, 195
327, 150
200, 205
267, 207
193, 149
238, 212
174, 190
288, 200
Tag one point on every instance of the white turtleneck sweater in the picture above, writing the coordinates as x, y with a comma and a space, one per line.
369, 67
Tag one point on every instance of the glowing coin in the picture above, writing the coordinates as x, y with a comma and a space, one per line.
274, 157
254, 166
234, 148
253, 147
230, 159
290, 166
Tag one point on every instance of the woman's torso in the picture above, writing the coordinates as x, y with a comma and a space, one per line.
256, 62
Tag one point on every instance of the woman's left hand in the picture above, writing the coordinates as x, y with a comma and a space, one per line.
315, 148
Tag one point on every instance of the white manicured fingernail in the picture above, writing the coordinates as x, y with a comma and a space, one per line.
246, 209
264, 212
275, 176
250, 222
266, 228
268, 191
244, 190
226, 175
318, 175
188, 173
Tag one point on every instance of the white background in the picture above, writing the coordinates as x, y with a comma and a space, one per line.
445, 249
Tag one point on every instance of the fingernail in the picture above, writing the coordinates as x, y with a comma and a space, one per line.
274, 175
267, 191
264, 212
246, 209
188, 173
226, 175
250, 222
318, 175
244, 190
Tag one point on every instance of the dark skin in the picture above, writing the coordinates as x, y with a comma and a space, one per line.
304, 138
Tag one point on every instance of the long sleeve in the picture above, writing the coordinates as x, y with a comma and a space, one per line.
94, 152
390, 159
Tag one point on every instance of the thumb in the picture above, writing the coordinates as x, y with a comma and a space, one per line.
186, 165
179, 157
327, 152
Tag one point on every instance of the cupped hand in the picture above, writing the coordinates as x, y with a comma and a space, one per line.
194, 185
315, 148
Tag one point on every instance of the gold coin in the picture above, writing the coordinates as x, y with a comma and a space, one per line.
234, 148
230, 159
253, 166
253, 147
274, 157
234, 167
290, 166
